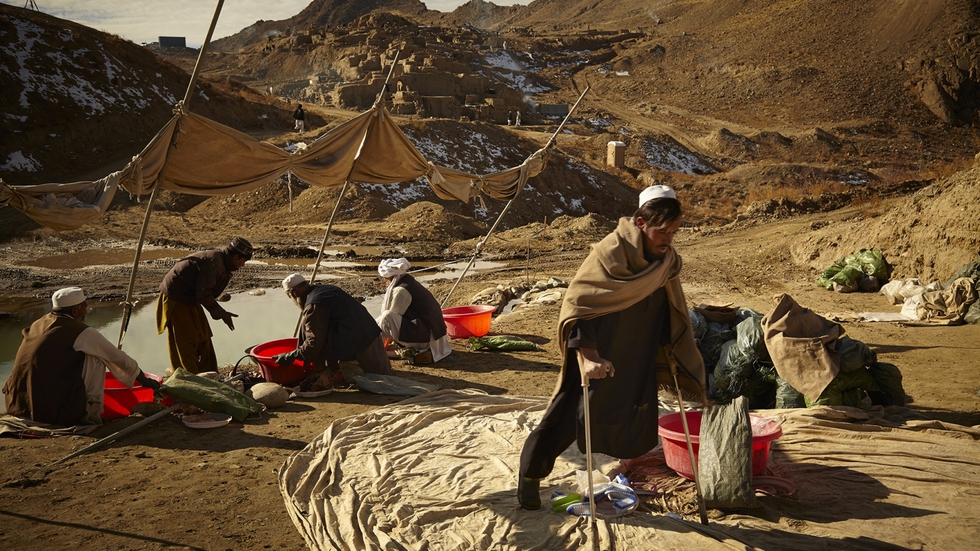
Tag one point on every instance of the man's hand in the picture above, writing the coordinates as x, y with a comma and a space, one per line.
593, 366
147, 382
226, 317
283, 360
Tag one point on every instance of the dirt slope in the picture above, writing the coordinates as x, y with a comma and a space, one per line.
77, 101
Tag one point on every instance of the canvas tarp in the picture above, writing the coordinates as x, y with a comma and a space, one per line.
440, 472
209, 158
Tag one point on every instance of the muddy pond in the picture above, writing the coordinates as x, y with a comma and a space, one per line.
263, 315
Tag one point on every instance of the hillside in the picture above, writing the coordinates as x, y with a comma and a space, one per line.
79, 103
852, 103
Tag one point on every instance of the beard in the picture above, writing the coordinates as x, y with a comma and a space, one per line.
298, 301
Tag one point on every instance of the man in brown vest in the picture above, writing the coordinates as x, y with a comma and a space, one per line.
410, 316
59, 370
191, 286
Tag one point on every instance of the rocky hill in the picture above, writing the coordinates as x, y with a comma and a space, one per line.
78, 102
754, 111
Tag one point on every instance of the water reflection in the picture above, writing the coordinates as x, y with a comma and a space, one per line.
263, 315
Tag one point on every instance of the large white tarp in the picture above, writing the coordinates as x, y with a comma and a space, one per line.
439, 472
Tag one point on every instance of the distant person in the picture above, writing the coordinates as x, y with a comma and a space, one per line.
510, 117
517, 119
300, 117
622, 308
410, 316
59, 370
193, 285
334, 326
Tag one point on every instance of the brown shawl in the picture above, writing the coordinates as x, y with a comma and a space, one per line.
615, 276
801, 344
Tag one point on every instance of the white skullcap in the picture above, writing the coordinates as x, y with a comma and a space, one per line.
656, 192
292, 280
391, 267
68, 297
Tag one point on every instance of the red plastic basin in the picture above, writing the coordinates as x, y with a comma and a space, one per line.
118, 401
271, 371
463, 322
671, 431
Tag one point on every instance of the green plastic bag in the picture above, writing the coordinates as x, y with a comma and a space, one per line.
854, 354
889, 379
847, 271
787, 396
211, 396
846, 389
502, 342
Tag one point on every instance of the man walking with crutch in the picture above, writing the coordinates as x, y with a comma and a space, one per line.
623, 307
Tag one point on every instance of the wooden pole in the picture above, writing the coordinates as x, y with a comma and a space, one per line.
479, 246
128, 304
336, 207
119, 434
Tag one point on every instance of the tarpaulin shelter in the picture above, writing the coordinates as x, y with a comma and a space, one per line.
209, 158
194, 155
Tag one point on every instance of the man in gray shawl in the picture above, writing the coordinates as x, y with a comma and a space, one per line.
623, 310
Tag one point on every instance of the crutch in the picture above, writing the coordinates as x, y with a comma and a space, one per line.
687, 434
588, 456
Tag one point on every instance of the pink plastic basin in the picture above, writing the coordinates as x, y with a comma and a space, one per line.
463, 322
118, 401
271, 371
671, 431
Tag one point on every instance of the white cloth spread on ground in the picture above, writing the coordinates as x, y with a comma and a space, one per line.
440, 472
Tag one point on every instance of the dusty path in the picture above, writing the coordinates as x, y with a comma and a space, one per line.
170, 486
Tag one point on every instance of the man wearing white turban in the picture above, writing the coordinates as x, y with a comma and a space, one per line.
410, 316
59, 370
334, 327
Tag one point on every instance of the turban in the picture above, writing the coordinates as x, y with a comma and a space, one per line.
391, 267
67, 297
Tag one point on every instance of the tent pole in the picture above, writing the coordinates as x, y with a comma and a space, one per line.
200, 54
551, 140
336, 207
479, 246
289, 186
384, 87
353, 165
127, 305
323, 243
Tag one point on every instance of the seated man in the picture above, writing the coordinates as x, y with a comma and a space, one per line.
411, 317
334, 326
59, 370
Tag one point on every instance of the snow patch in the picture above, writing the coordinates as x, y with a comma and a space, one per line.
674, 159
18, 161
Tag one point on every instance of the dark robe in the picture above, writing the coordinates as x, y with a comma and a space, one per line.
423, 316
199, 279
335, 326
46, 384
624, 408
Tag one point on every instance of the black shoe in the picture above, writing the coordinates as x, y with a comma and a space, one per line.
528, 492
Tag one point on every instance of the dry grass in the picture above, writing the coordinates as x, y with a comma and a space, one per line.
869, 207
793, 192
945, 168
